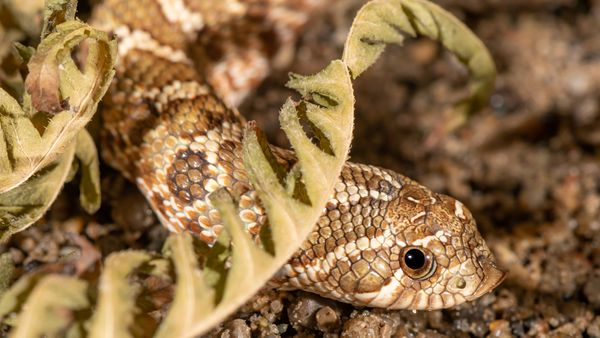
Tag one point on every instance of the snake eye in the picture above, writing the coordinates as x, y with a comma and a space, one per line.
417, 263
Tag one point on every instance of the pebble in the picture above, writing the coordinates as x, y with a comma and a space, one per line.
367, 326
327, 319
236, 328
591, 289
500, 329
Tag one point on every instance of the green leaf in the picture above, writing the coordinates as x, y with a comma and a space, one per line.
116, 300
193, 297
89, 186
381, 22
46, 311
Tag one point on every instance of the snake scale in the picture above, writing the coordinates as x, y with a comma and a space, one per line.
170, 125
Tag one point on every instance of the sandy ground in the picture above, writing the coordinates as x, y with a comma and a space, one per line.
527, 166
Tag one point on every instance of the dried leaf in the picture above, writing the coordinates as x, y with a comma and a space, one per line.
47, 310
89, 186
57, 12
381, 22
193, 297
291, 218
116, 300
25, 204
7, 269
12, 300
29, 149
37, 149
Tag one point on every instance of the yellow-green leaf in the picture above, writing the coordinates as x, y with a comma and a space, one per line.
11, 301
48, 309
116, 299
7, 269
247, 259
291, 218
89, 186
194, 299
30, 145
57, 12
381, 22
37, 148
26, 203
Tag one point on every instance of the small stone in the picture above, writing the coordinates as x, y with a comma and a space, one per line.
327, 319
302, 312
500, 328
591, 289
16, 255
367, 326
73, 225
236, 328
593, 329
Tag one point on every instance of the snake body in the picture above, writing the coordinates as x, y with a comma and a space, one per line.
383, 240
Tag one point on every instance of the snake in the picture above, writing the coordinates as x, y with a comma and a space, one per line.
170, 124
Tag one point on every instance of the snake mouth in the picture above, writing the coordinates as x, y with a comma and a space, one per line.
493, 276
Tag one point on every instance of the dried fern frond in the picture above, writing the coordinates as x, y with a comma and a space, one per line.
42, 135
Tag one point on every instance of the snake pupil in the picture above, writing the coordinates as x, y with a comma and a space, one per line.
414, 259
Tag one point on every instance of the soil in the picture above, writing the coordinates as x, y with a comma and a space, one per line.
527, 166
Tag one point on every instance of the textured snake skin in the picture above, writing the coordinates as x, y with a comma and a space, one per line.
383, 240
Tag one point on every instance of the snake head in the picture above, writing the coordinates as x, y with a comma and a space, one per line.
387, 241
442, 260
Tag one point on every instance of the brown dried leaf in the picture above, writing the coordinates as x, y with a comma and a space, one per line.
42, 83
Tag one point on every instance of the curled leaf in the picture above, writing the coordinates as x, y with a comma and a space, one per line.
7, 269
382, 22
25, 204
57, 12
38, 148
12, 299
89, 186
48, 309
30, 146
52, 61
291, 217
194, 299
116, 300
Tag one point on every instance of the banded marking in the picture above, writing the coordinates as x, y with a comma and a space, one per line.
141, 40
178, 13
